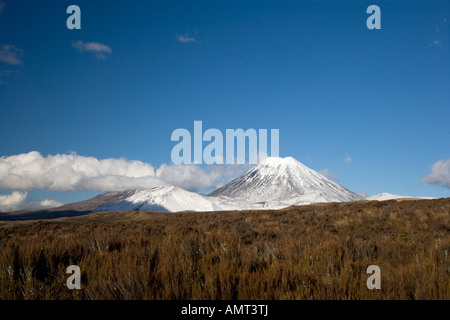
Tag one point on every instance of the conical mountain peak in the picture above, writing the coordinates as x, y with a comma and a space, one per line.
284, 179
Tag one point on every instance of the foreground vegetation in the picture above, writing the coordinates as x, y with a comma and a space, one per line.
308, 252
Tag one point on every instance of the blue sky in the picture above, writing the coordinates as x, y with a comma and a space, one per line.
336, 90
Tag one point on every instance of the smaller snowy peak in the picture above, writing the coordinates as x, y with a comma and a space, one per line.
384, 196
389, 196
163, 198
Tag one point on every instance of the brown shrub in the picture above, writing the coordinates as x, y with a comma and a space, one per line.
308, 252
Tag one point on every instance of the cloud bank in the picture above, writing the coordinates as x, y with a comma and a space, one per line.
440, 173
18, 201
72, 172
99, 49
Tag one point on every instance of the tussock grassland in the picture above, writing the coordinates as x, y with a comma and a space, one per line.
308, 252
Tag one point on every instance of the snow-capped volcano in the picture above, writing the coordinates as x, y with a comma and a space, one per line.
274, 183
284, 180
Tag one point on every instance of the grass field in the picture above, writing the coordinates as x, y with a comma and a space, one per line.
310, 252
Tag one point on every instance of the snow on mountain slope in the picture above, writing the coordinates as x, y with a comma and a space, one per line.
284, 180
390, 196
164, 198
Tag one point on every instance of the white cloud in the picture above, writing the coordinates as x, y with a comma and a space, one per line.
70, 172
47, 203
440, 173
185, 39
11, 55
186, 176
435, 43
99, 49
326, 172
195, 178
348, 159
225, 174
12, 201
18, 201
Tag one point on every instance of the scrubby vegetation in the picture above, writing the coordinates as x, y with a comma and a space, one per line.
308, 252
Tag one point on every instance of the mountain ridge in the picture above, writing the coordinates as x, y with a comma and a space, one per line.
275, 183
